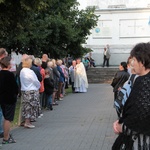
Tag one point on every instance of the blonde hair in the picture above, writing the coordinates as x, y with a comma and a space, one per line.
50, 64
38, 61
27, 63
54, 63
59, 62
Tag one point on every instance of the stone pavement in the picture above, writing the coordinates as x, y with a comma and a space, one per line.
82, 121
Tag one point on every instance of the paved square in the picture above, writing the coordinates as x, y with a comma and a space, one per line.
82, 121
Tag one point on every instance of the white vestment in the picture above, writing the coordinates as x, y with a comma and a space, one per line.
81, 82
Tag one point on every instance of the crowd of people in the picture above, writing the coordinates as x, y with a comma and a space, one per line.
41, 83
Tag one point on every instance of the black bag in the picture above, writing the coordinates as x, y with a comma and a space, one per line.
124, 142
123, 95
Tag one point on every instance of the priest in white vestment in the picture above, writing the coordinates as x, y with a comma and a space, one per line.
81, 82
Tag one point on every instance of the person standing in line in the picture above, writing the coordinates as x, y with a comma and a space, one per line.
38, 62
61, 79
106, 55
56, 76
72, 74
8, 97
44, 61
30, 86
133, 127
3, 53
49, 88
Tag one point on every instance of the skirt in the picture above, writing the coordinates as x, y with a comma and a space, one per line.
30, 104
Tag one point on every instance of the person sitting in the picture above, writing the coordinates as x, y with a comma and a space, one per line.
86, 63
92, 61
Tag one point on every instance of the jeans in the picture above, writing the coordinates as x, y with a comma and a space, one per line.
49, 100
1, 121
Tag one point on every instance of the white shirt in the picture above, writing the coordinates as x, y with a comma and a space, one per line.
29, 80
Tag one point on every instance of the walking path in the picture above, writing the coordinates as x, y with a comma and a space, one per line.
82, 121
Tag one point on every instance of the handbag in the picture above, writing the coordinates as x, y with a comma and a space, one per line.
124, 142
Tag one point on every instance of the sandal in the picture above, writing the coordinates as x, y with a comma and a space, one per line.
9, 141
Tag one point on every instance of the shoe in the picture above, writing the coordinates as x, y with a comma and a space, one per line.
51, 107
41, 115
22, 123
2, 135
55, 104
61, 96
9, 141
29, 126
32, 120
60, 99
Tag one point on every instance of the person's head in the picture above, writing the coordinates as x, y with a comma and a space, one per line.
3, 53
78, 60
27, 63
73, 63
54, 63
50, 64
38, 62
24, 56
107, 46
123, 66
141, 58
129, 66
5, 62
44, 57
59, 62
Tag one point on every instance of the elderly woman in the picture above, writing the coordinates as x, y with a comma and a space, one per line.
61, 79
133, 127
30, 92
56, 76
38, 63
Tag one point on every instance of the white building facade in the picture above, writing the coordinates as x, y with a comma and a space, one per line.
121, 26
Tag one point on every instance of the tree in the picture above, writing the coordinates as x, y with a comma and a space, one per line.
51, 26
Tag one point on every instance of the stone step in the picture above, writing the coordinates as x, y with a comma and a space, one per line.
101, 75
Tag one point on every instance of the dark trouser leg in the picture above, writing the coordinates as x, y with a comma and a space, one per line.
107, 62
73, 89
104, 61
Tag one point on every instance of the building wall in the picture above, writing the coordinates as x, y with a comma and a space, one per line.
121, 28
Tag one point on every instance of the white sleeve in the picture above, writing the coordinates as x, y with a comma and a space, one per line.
35, 80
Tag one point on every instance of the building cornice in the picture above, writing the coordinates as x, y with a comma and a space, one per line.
117, 10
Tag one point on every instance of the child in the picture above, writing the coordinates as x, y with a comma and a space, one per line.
49, 88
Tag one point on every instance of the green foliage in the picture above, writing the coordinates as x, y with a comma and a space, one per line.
50, 26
